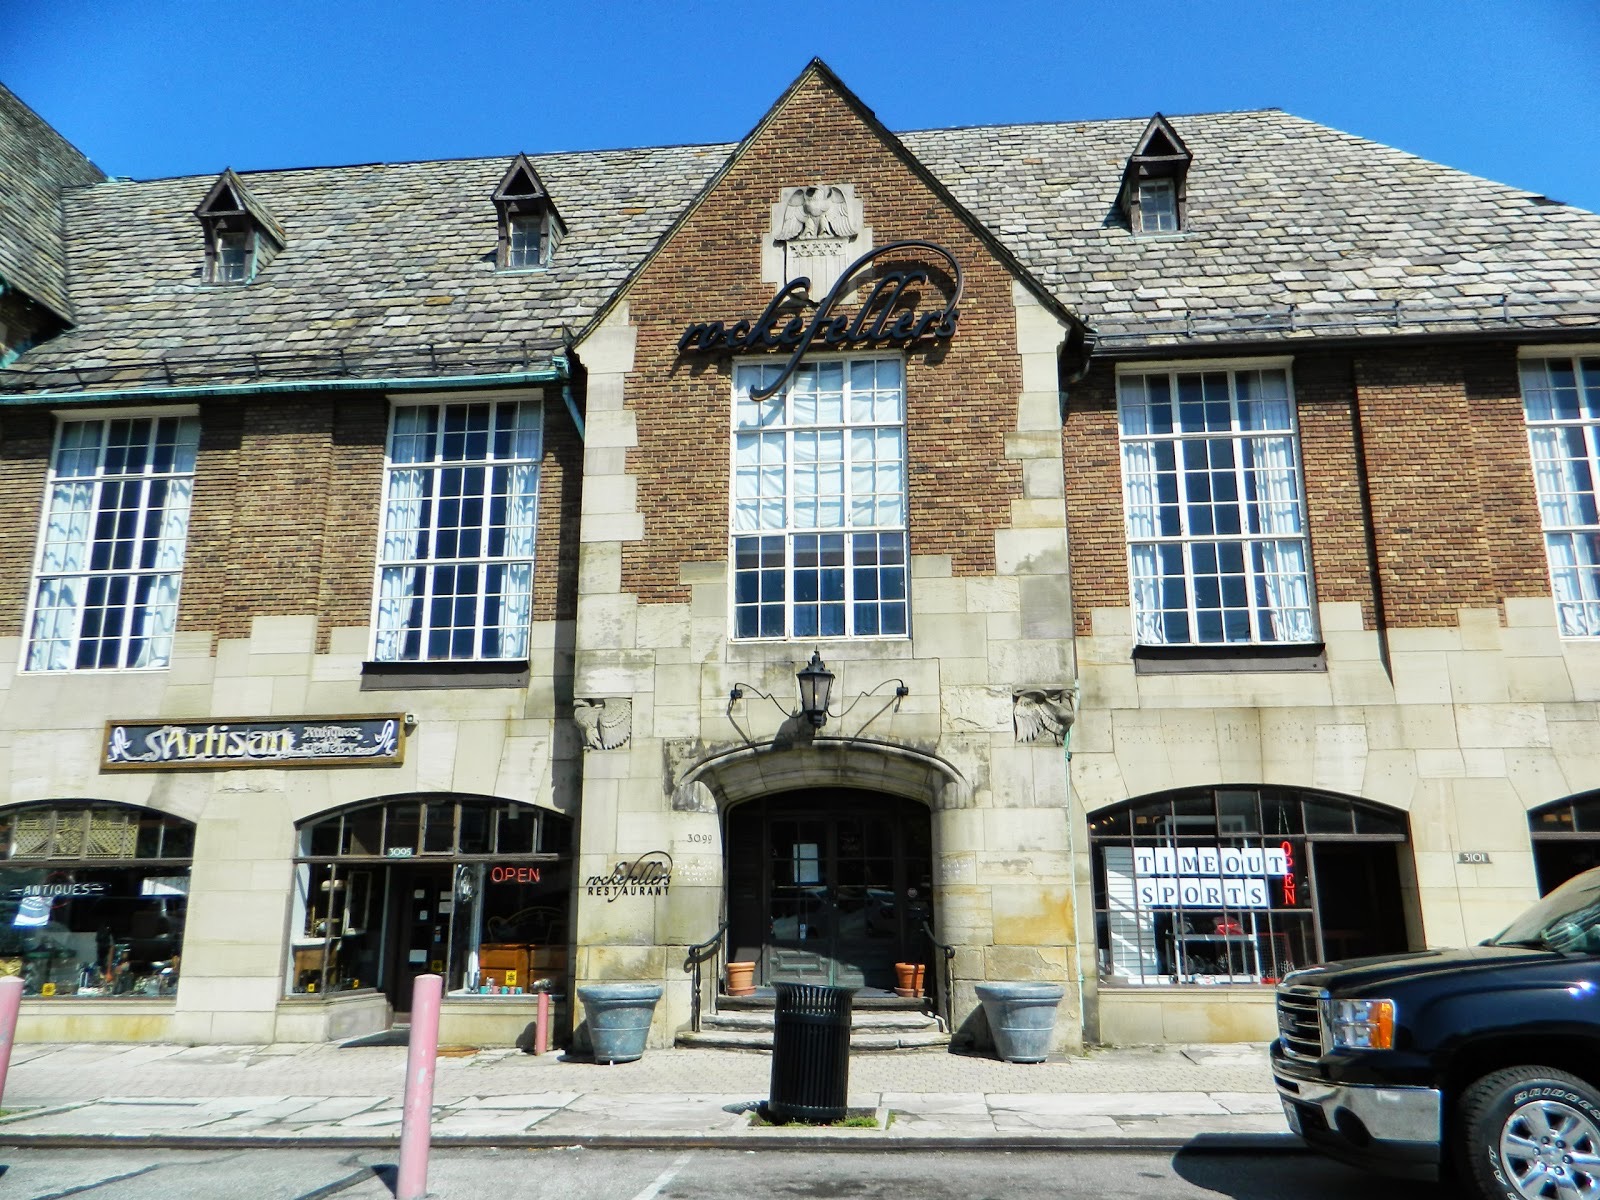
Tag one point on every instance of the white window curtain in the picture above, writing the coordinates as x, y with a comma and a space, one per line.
1282, 561
149, 487
1561, 402
1139, 488
158, 618
475, 599
1246, 433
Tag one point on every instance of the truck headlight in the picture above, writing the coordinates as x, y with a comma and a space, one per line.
1362, 1024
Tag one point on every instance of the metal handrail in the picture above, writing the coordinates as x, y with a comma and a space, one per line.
696, 954
946, 982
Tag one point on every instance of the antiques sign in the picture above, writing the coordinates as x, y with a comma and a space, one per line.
310, 742
877, 321
648, 875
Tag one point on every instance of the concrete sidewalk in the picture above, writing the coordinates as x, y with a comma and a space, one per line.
330, 1095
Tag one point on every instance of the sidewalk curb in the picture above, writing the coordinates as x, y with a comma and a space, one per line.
864, 1141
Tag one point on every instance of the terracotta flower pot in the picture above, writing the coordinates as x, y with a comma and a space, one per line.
921, 970
741, 979
907, 984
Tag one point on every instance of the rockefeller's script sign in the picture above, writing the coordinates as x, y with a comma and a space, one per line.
311, 742
883, 319
648, 875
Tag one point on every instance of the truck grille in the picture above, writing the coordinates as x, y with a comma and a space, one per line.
1300, 1020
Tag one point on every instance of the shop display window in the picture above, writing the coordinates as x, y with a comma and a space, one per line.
476, 890
93, 899
1566, 839
1243, 885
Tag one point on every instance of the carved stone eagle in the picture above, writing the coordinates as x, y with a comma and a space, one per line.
605, 724
1042, 712
819, 211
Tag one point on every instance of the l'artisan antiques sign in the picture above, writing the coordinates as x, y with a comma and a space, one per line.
310, 742
648, 875
880, 320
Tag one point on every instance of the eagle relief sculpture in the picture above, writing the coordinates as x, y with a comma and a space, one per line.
605, 724
813, 212
818, 230
1042, 713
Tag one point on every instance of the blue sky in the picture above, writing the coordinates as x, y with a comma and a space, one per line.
1509, 89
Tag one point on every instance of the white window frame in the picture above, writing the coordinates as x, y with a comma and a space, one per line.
1301, 619
1163, 217
151, 646
483, 561
1574, 583
790, 530
540, 223
250, 237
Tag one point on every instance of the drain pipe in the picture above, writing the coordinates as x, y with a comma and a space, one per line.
1072, 856
572, 410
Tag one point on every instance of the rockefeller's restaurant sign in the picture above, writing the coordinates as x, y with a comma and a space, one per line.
885, 318
312, 742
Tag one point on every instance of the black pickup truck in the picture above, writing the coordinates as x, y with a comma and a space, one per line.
1479, 1065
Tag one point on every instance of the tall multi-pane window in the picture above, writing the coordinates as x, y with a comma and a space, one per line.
110, 560
1561, 397
819, 501
455, 566
1217, 547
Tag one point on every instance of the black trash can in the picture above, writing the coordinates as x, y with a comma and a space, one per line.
810, 1053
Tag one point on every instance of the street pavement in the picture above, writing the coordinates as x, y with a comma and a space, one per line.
578, 1173
348, 1096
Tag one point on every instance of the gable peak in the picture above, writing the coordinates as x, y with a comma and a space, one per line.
521, 182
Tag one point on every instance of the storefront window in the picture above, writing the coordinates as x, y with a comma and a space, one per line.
474, 889
93, 899
1566, 839
1243, 885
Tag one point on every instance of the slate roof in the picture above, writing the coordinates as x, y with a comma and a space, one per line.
1294, 230
387, 270
36, 162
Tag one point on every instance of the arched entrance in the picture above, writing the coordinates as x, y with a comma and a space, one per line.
829, 885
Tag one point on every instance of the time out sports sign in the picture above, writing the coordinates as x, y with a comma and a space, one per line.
366, 741
1206, 876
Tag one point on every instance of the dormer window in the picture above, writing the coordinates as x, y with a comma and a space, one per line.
1154, 183
1158, 206
235, 255
530, 227
524, 241
241, 235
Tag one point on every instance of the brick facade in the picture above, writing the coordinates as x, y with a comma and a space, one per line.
285, 513
1419, 488
960, 398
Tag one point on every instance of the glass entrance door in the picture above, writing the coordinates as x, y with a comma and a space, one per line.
842, 886
421, 904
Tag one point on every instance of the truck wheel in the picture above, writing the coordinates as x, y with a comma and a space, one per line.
1531, 1133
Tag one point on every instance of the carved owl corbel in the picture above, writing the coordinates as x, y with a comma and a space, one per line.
605, 724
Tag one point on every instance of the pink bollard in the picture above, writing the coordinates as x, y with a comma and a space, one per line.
541, 1025
10, 1005
422, 1057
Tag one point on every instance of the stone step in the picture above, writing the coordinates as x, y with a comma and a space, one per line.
763, 1000
870, 1021
760, 1041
